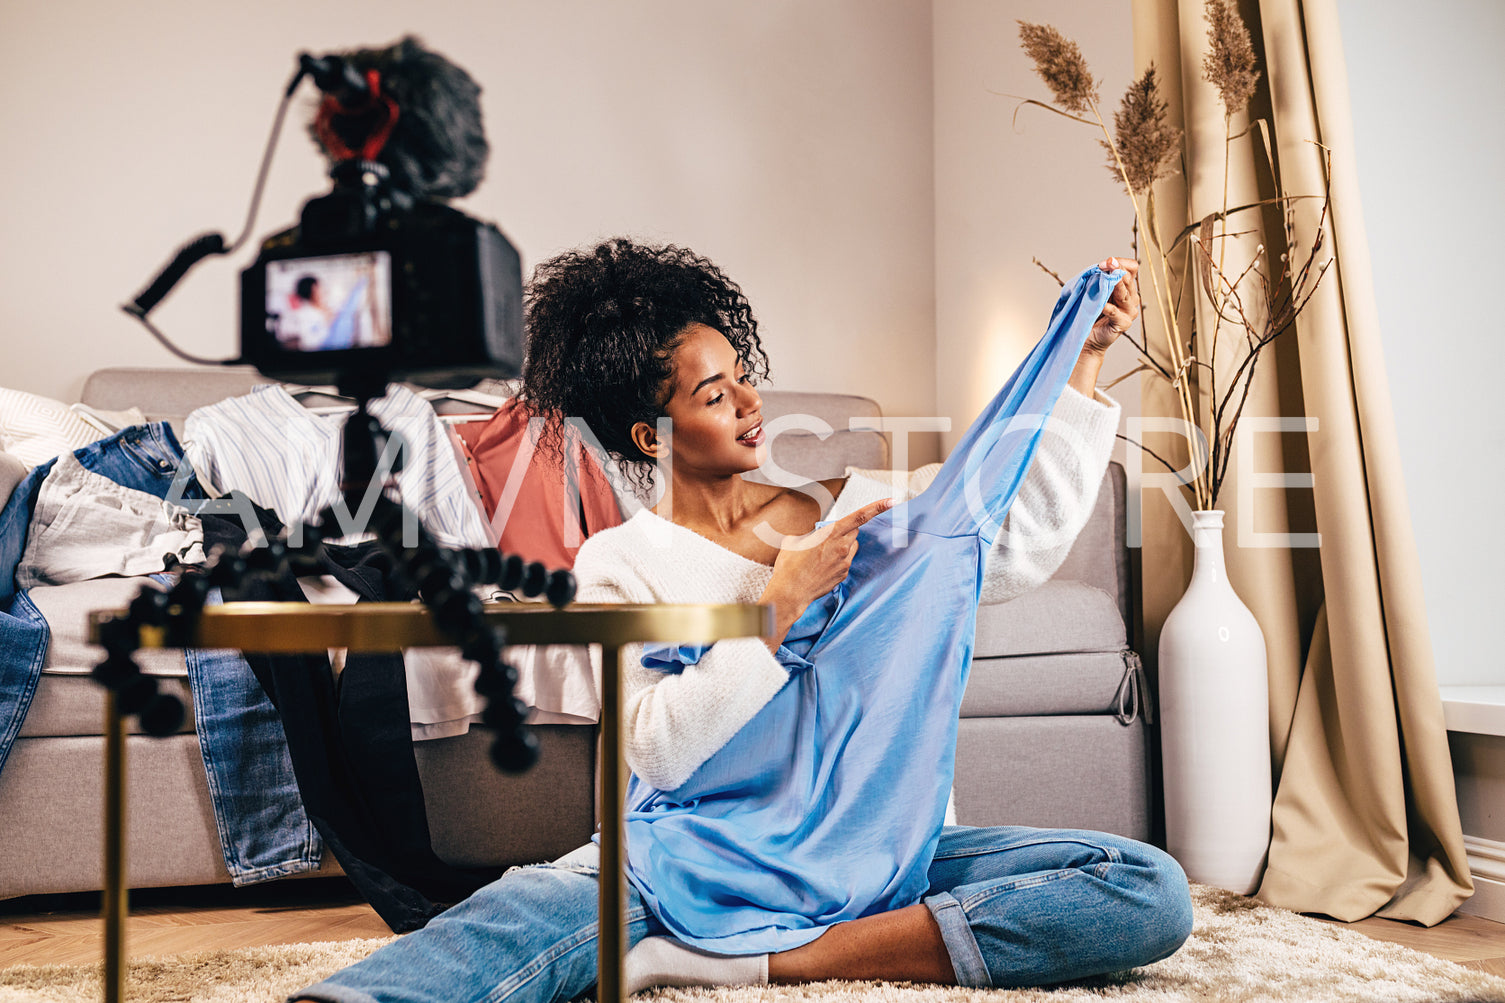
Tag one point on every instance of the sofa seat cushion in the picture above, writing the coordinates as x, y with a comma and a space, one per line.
68, 701
75, 705
1036, 622
1054, 772
1085, 682
481, 817
67, 608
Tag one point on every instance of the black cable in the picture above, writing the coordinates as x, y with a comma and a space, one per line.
174, 349
266, 161
208, 244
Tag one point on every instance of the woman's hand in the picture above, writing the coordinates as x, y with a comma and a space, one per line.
809, 566
1121, 310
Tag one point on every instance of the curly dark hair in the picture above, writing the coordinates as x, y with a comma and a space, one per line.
603, 324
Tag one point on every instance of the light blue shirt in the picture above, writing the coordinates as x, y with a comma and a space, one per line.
828, 804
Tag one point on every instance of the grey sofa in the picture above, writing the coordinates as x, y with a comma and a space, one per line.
1053, 733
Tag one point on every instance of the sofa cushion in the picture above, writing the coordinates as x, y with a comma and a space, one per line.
481, 817
811, 438
67, 701
1087, 682
1099, 556
166, 394
1054, 772
75, 705
67, 609
1059, 615
51, 831
12, 472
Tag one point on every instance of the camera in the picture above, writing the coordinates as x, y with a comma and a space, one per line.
373, 284
380, 280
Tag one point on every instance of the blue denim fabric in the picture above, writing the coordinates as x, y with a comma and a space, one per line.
14, 519
23, 631
1029, 907
1015, 906
23, 649
264, 831
144, 457
530, 935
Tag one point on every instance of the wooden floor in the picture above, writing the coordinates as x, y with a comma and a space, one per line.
1468, 940
66, 929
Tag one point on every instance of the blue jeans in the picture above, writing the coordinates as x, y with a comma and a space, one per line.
1016, 907
264, 832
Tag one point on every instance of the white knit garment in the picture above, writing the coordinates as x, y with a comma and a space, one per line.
674, 723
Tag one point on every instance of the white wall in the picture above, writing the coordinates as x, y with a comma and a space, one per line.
1006, 193
786, 140
843, 159
1427, 89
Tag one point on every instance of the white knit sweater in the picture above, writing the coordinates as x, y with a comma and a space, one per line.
674, 723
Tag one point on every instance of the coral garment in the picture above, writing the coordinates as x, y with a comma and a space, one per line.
541, 510
828, 804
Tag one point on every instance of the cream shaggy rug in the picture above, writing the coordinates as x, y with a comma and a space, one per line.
1240, 951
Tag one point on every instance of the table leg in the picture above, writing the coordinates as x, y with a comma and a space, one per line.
612, 939
116, 905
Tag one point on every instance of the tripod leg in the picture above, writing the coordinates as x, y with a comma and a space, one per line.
611, 930
116, 905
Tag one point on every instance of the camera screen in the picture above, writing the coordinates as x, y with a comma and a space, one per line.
330, 303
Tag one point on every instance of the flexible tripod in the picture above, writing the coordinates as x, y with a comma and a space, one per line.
443, 579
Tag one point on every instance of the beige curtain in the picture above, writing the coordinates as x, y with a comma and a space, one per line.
1365, 818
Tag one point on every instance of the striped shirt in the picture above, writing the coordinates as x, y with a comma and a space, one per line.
286, 458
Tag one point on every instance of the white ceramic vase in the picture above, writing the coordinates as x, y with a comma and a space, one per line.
1214, 725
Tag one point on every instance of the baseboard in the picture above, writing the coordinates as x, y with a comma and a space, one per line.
1486, 862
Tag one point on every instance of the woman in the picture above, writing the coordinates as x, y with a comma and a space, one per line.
768, 831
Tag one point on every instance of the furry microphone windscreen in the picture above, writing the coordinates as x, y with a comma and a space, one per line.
438, 146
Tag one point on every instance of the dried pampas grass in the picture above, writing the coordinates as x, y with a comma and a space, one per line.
1143, 148
1061, 65
1229, 62
1147, 144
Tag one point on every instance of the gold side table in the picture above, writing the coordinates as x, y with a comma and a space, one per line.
289, 628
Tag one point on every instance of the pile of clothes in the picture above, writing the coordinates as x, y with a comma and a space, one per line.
309, 751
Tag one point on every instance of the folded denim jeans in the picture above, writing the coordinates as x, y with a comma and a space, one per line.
264, 830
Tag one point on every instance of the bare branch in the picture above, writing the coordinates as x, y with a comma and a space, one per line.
1143, 367
1147, 449
1059, 281
1192, 227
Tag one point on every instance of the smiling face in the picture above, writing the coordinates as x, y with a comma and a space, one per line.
717, 415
